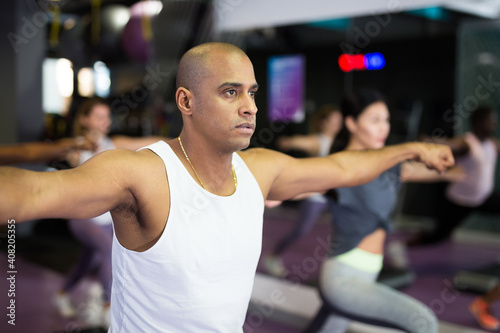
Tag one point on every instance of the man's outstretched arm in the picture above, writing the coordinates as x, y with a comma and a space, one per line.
93, 188
289, 177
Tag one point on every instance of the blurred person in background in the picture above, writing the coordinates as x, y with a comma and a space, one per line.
325, 124
93, 123
361, 218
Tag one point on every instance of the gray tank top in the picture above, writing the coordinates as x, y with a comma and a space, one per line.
360, 210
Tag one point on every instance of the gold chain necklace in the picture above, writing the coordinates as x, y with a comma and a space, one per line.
196, 174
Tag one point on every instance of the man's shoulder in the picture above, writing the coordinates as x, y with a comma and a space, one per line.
263, 160
124, 161
254, 156
261, 153
126, 155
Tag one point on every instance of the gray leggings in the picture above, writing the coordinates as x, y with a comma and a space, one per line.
356, 293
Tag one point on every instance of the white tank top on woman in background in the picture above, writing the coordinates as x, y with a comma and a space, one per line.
479, 166
104, 144
199, 275
325, 143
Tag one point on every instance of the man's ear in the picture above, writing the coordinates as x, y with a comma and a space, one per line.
183, 98
350, 123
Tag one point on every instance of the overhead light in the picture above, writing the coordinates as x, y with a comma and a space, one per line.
69, 23
102, 79
431, 13
334, 24
57, 84
86, 82
148, 8
64, 74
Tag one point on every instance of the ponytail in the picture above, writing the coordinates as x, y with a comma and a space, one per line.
341, 140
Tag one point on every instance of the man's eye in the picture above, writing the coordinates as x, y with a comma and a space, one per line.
231, 92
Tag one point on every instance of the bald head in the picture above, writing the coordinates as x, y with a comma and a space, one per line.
194, 64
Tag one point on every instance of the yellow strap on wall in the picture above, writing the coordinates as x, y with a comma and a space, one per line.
55, 28
95, 29
147, 30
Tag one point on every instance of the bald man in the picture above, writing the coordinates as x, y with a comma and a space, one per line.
188, 213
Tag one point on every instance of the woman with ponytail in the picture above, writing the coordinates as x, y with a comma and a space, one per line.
361, 221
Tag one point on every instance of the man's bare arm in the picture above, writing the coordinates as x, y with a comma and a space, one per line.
289, 177
97, 186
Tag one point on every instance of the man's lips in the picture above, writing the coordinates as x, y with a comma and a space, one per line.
246, 127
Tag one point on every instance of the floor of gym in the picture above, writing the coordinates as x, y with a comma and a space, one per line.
434, 267
45, 251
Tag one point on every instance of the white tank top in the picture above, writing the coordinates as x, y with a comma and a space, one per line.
479, 165
198, 277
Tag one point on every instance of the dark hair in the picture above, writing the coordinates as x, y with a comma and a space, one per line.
352, 105
480, 114
320, 116
83, 111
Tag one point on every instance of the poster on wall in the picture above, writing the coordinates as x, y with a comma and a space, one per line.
286, 88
